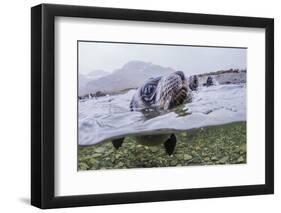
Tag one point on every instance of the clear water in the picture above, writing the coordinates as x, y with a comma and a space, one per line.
109, 117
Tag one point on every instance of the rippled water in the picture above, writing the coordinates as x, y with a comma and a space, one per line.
110, 117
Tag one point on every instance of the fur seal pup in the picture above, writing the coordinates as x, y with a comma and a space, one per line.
193, 82
161, 93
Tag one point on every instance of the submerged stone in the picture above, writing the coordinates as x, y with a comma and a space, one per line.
154, 148
240, 159
100, 149
187, 157
223, 160
216, 145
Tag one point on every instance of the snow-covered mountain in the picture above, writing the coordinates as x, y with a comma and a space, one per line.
131, 75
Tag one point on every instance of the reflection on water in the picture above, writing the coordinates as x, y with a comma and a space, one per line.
110, 116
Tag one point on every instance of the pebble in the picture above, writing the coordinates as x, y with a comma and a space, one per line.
120, 164
240, 159
187, 157
174, 162
154, 148
184, 134
213, 158
83, 166
243, 148
223, 160
206, 159
92, 161
100, 149
96, 155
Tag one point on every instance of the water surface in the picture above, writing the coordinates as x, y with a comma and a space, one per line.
109, 117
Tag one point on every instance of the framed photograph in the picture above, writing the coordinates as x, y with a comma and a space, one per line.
139, 106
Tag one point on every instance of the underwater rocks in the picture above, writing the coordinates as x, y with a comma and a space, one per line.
225, 144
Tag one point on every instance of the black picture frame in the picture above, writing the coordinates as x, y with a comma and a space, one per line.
43, 105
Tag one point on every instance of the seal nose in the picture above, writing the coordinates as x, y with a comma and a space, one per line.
181, 74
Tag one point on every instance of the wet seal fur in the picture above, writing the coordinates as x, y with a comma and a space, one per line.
161, 93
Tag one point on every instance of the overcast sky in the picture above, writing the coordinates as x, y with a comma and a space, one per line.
191, 60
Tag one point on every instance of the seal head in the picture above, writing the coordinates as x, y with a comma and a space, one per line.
161, 92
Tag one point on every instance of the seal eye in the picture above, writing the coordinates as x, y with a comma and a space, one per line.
181, 74
149, 89
148, 93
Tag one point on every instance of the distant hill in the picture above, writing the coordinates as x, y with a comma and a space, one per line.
131, 75
84, 79
95, 74
135, 73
